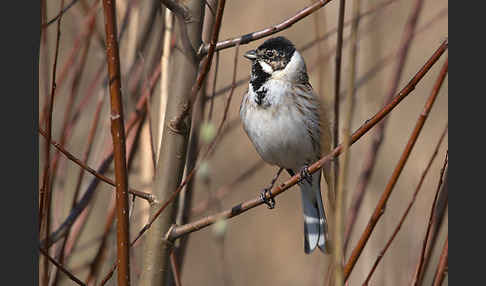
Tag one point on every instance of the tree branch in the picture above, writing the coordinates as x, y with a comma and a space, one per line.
119, 148
380, 207
248, 38
178, 231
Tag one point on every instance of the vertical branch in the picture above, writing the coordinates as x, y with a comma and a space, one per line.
380, 207
441, 268
337, 81
419, 272
118, 136
349, 108
186, 196
45, 192
372, 154
164, 77
173, 145
409, 207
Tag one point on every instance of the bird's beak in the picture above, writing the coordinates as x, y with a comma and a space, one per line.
251, 55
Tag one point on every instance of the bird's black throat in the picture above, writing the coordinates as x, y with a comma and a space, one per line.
258, 78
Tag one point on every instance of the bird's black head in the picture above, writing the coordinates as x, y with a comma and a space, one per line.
276, 52
271, 56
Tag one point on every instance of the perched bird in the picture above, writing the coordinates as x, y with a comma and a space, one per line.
282, 116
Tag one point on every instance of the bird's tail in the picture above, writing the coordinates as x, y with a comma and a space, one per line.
315, 222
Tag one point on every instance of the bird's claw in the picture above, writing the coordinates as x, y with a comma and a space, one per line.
269, 202
305, 175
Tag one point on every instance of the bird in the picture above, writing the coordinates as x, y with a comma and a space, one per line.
285, 120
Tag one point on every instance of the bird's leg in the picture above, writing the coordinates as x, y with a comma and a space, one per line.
304, 174
271, 201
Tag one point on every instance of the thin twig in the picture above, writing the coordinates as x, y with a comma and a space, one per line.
95, 265
58, 265
45, 191
134, 120
409, 207
380, 207
337, 83
345, 158
377, 140
442, 266
418, 275
248, 38
146, 196
177, 231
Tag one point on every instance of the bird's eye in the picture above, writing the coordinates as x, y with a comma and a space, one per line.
270, 53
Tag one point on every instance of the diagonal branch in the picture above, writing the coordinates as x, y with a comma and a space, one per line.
146, 196
178, 231
419, 272
441, 268
372, 154
380, 207
62, 268
409, 207
248, 38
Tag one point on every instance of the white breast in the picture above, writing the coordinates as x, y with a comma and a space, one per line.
276, 128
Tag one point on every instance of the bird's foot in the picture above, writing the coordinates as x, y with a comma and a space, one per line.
305, 175
270, 202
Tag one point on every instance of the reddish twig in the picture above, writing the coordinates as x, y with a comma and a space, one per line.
380, 207
248, 38
187, 179
177, 231
95, 265
62, 268
45, 191
371, 158
132, 122
118, 135
418, 275
337, 82
409, 207
64, 252
442, 266
146, 196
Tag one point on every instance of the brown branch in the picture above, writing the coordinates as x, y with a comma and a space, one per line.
321, 60
62, 268
119, 148
45, 191
248, 38
146, 196
372, 154
337, 82
95, 265
177, 231
84, 201
409, 207
173, 150
177, 123
189, 176
419, 273
380, 207
345, 158
442, 266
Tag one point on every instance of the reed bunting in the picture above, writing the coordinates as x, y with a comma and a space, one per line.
283, 118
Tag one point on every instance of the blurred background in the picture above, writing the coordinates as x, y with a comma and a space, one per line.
262, 246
